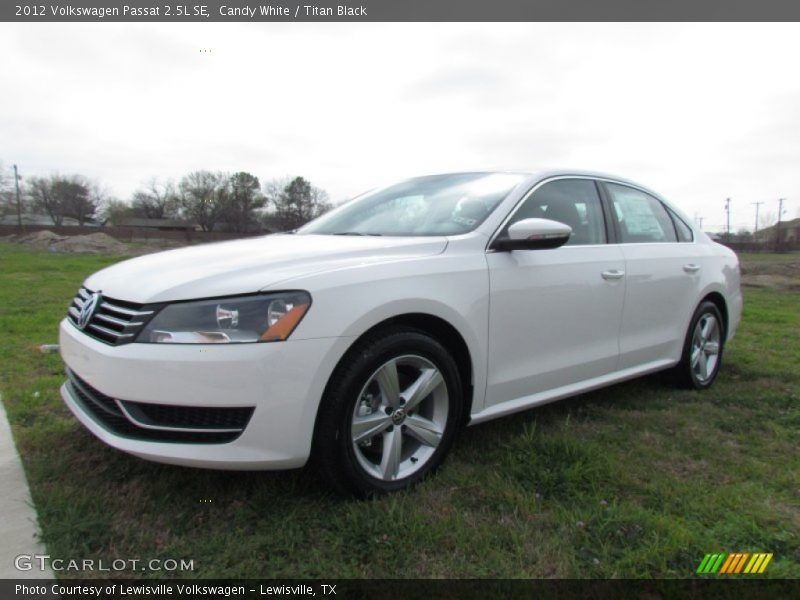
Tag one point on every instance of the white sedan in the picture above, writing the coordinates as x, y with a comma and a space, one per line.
368, 337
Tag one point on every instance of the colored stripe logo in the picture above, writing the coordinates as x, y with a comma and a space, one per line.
734, 562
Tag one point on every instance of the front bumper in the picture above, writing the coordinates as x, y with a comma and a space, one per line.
282, 381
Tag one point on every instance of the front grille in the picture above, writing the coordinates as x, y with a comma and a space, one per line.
113, 321
160, 422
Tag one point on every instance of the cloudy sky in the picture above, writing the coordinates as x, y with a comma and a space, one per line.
698, 112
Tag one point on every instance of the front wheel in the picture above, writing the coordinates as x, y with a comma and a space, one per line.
390, 414
702, 350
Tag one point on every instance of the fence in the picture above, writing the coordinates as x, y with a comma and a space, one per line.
129, 234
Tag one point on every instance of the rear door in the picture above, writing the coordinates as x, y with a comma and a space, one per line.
663, 270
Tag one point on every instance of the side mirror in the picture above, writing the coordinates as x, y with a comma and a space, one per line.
534, 234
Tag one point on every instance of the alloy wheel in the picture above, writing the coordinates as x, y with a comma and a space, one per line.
705, 347
399, 417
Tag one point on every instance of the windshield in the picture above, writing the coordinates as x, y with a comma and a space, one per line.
432, 205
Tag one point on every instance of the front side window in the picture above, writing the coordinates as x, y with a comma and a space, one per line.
432, 205
641, 218
574, 202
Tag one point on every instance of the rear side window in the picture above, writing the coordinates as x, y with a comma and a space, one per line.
574, 202
641, 218
682, 229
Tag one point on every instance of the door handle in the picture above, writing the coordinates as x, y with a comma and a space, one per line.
613, 274
691, 268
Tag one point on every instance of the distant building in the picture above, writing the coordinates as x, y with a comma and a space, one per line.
34, 220
790, 233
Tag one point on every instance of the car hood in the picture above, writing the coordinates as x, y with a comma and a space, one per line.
249, 265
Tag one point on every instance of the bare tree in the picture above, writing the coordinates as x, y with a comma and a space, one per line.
156, 201
81, 197
243, 198
43, 198
202, 197
60, 197
100, 197
766, 219
296, 201
7, 201
113, 211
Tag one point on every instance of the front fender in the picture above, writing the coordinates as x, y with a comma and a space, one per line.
454, 289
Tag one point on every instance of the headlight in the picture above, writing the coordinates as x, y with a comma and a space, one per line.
260, 318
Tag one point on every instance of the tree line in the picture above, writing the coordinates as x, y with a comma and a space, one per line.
213, 200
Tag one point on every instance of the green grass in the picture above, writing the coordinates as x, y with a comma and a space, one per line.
638, 480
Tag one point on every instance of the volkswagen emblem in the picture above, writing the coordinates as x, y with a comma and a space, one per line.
398, 416
88, 310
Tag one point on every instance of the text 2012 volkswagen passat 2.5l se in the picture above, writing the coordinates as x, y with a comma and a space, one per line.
367, 338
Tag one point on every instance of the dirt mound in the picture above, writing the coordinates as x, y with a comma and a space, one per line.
93, 243
779, 282
782, 272
785, 269
39, 239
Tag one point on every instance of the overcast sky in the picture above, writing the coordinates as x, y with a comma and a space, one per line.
698, 112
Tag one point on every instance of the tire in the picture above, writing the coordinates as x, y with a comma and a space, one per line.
702, 349
374, 434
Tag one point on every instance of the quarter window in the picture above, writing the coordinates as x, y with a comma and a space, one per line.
681, 228
574, 202
641, 217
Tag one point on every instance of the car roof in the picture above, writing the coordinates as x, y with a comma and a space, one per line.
545, 174
536, 175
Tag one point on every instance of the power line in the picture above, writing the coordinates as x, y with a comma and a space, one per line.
757, 204
19, 204
778, 226
728, 219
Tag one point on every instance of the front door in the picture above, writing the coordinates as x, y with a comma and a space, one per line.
554, 316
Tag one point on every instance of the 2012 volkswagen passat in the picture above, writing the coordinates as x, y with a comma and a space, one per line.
368, 337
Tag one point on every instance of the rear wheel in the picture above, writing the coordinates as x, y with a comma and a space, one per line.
702, 350
390, 414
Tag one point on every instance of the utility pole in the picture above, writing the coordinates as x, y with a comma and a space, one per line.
755, 230
728, 220
19, 204
778, 225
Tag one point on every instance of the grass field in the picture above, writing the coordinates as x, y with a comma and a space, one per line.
638, 480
